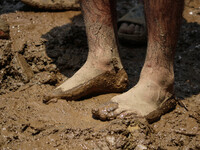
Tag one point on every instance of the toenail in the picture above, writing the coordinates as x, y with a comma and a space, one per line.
136, 27
111, 115
95, 110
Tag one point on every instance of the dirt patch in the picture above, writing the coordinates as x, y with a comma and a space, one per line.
46, 48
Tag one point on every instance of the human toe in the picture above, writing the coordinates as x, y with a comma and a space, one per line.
105, 111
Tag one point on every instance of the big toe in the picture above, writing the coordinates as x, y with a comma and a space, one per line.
123, 28
56, 93
105, 111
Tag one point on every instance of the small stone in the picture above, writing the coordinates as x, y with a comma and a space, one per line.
133, 128
110, 140
140, 147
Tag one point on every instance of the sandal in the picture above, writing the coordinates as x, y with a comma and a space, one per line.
136, 17
54, 4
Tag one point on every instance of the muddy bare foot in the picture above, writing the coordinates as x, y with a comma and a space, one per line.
103, 71
90, 81
143, 100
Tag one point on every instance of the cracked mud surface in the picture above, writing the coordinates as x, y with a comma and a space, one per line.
46, 48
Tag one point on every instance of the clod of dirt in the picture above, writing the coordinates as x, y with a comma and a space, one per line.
23, 68
44, 78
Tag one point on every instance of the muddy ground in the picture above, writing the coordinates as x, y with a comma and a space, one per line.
48, 47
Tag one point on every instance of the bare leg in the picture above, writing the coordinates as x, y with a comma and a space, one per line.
103, 71
156, 81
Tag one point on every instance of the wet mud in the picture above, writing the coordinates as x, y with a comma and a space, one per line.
48, 47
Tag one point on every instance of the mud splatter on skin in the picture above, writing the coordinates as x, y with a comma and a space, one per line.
50, 44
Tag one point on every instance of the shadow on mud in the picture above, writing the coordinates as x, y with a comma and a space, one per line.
187, 70
8, 6
67, 47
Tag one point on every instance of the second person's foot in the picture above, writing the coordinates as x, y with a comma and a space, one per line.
132, 26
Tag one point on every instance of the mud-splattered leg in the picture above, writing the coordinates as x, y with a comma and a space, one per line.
103, 71
155, 86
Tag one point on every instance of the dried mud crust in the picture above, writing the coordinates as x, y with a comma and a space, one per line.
54, 49
54, 4
108, 82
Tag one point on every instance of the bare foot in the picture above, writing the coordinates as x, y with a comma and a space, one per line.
131, 29
146, 97
154, 90
103, 71
90, 81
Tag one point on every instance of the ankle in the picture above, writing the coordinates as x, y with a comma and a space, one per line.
105, 64
161, 76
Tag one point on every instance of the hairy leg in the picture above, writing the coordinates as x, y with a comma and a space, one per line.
103, 71
155, 86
